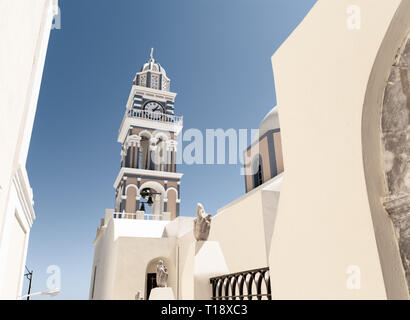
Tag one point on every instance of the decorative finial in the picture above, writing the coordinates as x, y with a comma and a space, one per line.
151, 55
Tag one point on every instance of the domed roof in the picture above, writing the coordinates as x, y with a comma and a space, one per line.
270, 122
152, 65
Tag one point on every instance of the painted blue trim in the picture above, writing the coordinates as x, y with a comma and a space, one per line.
263, 136
246, 185
255, 176
133, 155
127, 158
272, 156
138, 157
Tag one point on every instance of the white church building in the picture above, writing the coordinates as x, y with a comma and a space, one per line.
131, 241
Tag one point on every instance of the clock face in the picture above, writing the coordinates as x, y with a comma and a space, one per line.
155, 110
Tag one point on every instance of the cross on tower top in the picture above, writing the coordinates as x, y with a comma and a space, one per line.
151, 55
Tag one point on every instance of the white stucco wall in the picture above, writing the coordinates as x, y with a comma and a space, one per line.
324, 221
24, 33
123, 251
243, 230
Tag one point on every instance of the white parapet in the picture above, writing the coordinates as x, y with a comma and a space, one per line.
162, 294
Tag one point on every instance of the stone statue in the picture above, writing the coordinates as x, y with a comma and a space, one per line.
162, 274
202, 224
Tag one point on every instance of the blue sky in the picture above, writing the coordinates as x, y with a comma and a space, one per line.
217, 54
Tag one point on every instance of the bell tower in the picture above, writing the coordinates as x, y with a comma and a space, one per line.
147, 186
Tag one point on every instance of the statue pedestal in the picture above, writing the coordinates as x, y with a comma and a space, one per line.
161, 294
208, 262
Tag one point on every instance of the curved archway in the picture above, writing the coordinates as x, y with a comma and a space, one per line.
161, 152
163, 135
158, 205
131, 192
131, 186
150, 274
154, 185
144, 157
145, 134
172, 189
380, 119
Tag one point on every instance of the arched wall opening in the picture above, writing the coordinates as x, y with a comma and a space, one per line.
144, 160
161, 155
379, 120
157, 207
172, 197
131, 203
150, 274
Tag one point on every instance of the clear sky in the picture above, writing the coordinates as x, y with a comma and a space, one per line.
217, 55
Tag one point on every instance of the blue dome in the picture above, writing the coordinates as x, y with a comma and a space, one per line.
270, 122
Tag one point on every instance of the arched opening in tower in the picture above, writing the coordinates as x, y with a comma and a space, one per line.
151, 202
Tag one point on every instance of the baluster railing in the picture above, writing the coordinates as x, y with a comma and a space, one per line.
231, 286
154, 116
141, 215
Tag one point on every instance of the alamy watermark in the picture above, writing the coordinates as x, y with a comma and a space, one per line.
54, 279
209, 147
354, 17
354, 277
56, 24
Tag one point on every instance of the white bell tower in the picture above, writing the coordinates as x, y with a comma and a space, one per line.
148, 183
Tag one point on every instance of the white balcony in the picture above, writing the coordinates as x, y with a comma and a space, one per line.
155, 116
149, 119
